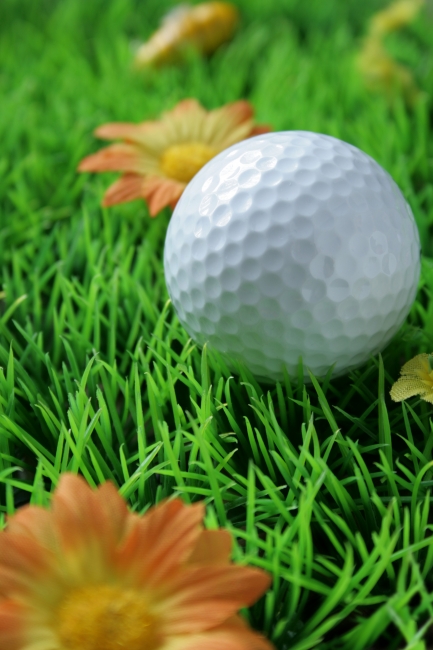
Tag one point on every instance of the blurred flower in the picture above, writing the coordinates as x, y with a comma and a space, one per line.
380, 71
383, 74
203, 27
160, 158
395, 16
90, 575
416, 379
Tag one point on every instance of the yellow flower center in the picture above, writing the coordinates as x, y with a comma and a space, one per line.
106, 618
182, 161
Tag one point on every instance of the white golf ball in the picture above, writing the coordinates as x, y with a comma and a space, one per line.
288, 245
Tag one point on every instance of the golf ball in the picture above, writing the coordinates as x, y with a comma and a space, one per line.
289, 245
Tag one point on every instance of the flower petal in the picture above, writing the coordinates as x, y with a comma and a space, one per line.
231, 124
90, 524
115, 511
36, 524
394, 16
201, 598
238, 112
213, 547
116, 157
416, 365
25, 564
24, 628
121, 131
13, 629
182, 123
128, 188
260, 129
428, 396
189, 105
237, 134
160, 192
41, 552
159, 543
416, 379
406, 387
233, 635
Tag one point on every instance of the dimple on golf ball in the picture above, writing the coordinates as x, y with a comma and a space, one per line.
289, 245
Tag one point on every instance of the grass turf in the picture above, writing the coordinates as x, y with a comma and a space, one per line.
327, 486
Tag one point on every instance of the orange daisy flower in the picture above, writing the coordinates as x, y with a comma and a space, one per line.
159, 158
90, 575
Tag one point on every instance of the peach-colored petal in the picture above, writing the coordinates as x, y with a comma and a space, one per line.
25, 628
29, 562
232, 635
185, 106
36, 524
260, 129
115, 510
23, 563
26, 585
238, 112
201, 598
213, 547
116, 157
13, 628
86, 529
121, 131
163, 196
158, 544
128, 188
78, 512
160, 192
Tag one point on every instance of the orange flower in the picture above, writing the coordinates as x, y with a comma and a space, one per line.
158, 159
90, 575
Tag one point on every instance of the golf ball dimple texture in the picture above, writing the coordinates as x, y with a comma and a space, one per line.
288, 245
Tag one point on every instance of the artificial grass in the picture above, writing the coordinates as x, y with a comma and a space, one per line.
327, 486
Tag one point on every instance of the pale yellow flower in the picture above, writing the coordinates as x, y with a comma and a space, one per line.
90, 575
395, 16
384, 74
159, 158
416, 379
381, 72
